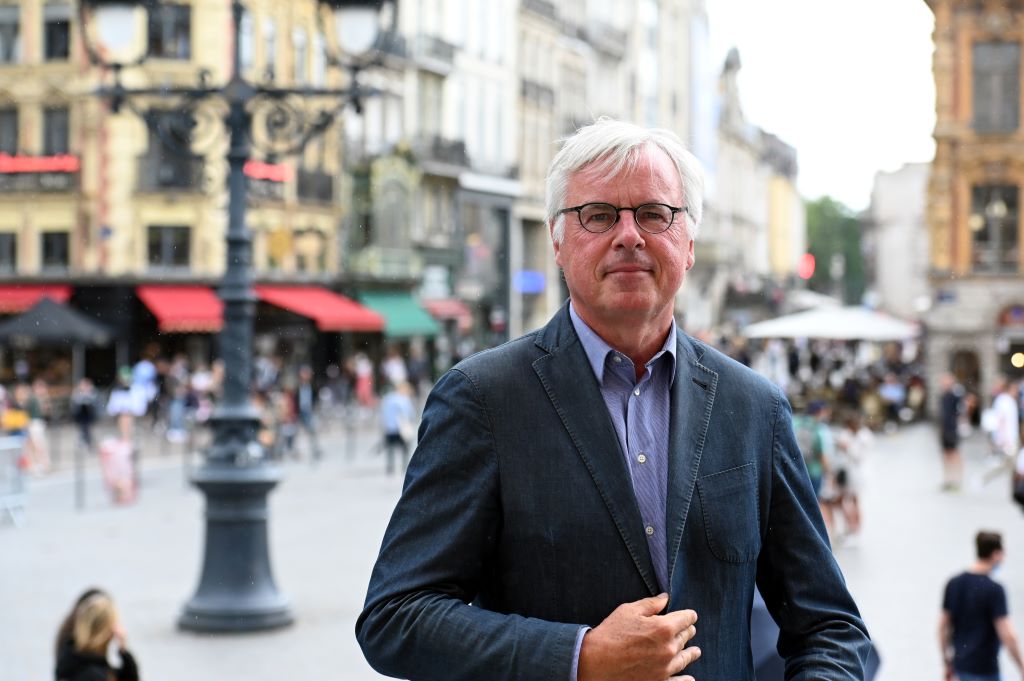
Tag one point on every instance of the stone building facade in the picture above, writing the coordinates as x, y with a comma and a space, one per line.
975, 326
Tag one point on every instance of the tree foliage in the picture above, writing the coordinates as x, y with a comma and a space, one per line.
833, 230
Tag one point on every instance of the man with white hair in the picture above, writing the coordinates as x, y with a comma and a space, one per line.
580, 496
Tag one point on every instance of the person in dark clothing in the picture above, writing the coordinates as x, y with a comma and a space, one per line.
84, 409
975, 620
949, 432
84, 638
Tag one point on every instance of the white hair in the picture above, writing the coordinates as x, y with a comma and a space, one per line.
610, 147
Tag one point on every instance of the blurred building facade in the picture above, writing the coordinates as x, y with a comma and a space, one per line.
976, 321
896, 241
431, 198
755, 225
96, 202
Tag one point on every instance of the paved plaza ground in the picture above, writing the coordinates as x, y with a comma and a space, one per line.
326, 526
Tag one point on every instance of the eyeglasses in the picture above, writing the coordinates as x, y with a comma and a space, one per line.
598, 218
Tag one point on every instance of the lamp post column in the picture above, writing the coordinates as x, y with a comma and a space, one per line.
236, 590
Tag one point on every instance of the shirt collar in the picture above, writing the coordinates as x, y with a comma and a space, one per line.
598, 350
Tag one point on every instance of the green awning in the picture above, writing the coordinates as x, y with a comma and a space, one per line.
403, 316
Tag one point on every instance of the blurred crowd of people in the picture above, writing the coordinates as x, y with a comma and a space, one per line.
173, 398
842, 394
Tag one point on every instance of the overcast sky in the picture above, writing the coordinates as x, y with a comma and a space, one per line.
849, 84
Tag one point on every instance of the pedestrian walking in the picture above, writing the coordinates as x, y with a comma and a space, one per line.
975, 619
37, 444
852, 444
1006, 432
84, 410
397, 420
950, 408
306, 399
817, 446
84, 640
1018, 480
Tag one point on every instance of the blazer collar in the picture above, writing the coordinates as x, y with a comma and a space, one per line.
692, 398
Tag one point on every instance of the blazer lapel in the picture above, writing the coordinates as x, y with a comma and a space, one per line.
568, 380
693, 394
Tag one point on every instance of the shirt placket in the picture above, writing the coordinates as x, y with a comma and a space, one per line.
643, 463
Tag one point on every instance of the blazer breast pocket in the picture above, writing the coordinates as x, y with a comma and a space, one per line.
729, 502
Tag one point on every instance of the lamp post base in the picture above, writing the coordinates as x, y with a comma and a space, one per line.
236, 591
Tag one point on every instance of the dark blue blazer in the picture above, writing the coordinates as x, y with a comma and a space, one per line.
518, 523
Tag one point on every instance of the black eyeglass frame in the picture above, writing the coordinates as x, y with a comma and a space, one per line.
618, 215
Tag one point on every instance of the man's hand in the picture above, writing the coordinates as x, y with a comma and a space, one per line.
635, 643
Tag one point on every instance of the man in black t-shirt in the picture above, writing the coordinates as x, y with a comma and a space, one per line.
975, 619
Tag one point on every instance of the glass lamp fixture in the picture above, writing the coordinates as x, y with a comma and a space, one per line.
357, 23
120, 29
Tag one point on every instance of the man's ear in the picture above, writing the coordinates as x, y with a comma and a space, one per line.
554, 243
690, 256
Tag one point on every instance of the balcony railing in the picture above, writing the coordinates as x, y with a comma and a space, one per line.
315, 186
434, 54
440, 150
607, 38
158, 174
393, 45
538, 93
377, 262
545, 8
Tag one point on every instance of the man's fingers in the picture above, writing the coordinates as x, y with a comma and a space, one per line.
683, 659
686, 634
680, 619
653, 605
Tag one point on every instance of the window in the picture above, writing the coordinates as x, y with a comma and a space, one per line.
431, 101
996, 86
169, 246
170, 32
56, 32
9, 131
164, 166
8, 252
994, 230
246, 43
10, 34
55, 131
269, 48
299, 42
55, 250
319, 60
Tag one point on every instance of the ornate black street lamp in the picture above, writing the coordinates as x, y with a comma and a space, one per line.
236, 590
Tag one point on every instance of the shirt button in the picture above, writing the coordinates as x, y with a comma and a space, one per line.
642, 458
649, 530
637, 392
616, 359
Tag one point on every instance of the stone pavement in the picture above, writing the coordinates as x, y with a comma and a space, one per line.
326, 526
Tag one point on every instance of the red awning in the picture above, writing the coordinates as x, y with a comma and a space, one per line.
330, 311
183, 309
18, 298
444, 309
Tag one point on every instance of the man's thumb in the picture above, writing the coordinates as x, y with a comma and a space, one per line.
653, 605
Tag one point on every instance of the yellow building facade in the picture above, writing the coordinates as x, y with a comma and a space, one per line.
91, 193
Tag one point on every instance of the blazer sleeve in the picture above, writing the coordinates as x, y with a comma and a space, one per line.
438, 551
821, 633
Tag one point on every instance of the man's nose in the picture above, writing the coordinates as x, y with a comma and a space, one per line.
627, 233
